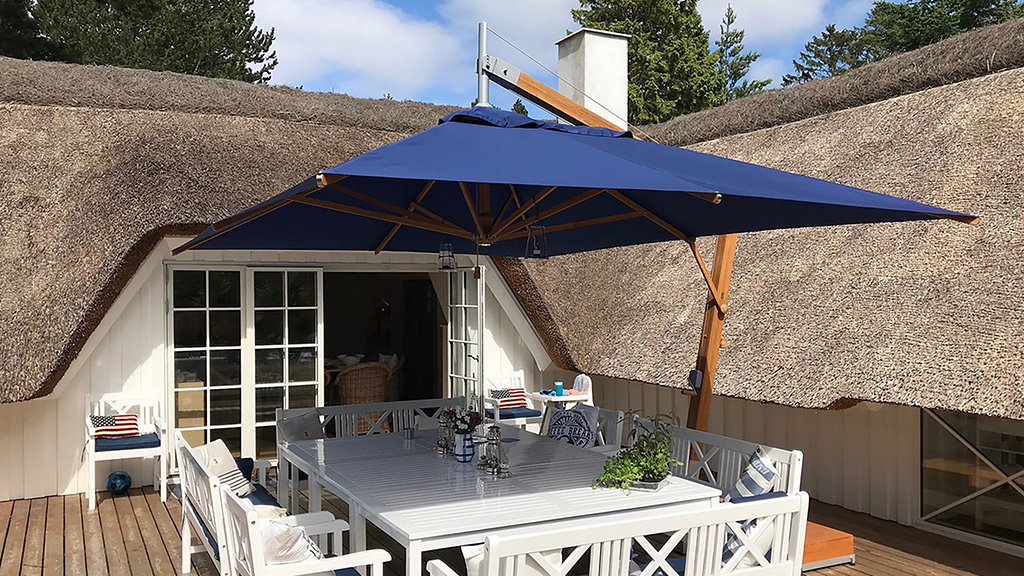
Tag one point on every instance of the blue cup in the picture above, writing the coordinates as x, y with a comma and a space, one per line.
559, 389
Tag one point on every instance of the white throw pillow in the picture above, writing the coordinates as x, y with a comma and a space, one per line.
303, 427
474, 555
284, 544
219, 462
758, 477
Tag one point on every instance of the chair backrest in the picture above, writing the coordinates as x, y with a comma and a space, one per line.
719, 461
582, 383
380, 418
115, 403
364, 383
706, 533
242, 533
609, 427
515, 379
200, 492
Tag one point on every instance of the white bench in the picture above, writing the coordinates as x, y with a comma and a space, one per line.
202, 510
611, 541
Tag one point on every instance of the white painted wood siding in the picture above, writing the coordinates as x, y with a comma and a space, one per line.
864, 459
41, 441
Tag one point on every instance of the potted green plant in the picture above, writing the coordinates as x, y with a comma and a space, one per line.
645, 464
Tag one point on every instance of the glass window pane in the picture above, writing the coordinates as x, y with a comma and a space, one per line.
302, 364
269, 327
190, 329
190, 407
226, 368
225, 289
266, 443
189, 289
267, 401
231, 436
268, 289
225, 328
301, 396
195, 438
269, 366
225, 406
302, 289
302, 326
189, 369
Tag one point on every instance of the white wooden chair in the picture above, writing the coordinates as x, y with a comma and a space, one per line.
151, 442
583, 387
514, 416
246, 555
202, 510
771, 545
609, 431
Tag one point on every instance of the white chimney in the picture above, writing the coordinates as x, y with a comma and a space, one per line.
594, 62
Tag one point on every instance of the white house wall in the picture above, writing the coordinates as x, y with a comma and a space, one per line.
865, 459
41, 441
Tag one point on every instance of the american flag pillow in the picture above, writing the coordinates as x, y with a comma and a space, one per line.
510, 397
116, 426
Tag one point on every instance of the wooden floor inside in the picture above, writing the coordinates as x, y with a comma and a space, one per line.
138, 535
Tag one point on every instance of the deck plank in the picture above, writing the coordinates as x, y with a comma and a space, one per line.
74, 537
35, 538
113, 540
166, 529
53, 550
14, 544
5, 518
159, 558
135, 547
95, 552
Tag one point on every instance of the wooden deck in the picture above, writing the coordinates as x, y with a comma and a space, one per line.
138, 535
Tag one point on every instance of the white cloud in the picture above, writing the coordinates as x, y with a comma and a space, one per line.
765, 22
773, 68
378, 48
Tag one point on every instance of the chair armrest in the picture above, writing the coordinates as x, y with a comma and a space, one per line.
439, 568
373, 558
310, 520
333, 527
261, 466
160, 425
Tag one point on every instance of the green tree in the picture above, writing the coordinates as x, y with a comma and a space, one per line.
901, 27
829, 54
216, 38
19, 32
733, 62
519, 108
672, 70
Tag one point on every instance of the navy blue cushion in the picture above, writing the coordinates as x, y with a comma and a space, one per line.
245, 466
758, 497
260, 497
521, 412
128, 443
346, 572
208, 535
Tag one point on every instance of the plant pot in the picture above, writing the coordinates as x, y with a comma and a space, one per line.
650, 486
464, 449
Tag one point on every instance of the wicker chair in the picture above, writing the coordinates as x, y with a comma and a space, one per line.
365, 383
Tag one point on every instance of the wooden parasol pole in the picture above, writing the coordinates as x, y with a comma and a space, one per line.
711, 332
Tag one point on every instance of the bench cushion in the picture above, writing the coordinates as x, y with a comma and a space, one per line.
150, 440
261, 497
512, 413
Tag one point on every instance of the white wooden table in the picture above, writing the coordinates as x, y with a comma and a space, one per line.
428, 502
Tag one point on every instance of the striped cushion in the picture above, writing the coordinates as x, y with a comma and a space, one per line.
758, 478
116, 426
236, 482
510, 397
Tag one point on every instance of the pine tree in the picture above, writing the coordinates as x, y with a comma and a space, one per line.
672, 70
519, 108
829, 54
19, 32
733, 62
216, 38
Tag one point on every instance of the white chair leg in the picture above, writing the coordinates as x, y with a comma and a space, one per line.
91, 483
163, 478
186, 542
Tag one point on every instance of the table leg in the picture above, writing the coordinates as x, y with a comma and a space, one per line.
314, 495
414, 559
356, 529
293, 490
283, 477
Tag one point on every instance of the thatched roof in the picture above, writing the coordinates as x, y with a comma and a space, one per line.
926, 314
101, 162
962, 57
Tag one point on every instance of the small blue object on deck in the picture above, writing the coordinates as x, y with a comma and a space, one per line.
119, 482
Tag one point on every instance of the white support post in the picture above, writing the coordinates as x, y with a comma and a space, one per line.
482, 86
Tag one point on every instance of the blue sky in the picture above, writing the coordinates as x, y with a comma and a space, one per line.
424, 50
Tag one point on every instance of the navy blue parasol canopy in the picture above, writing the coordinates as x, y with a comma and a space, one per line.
498, 183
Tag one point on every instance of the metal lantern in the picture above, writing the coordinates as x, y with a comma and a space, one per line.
445, 257
444, 437
494, 456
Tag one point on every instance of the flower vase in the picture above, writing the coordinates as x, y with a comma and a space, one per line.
464, 450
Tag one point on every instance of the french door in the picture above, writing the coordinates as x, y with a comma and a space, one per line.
465, 336
243, 342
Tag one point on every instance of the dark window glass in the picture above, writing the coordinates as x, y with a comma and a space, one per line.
189, 289
225, 289
190, 329
268, 289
